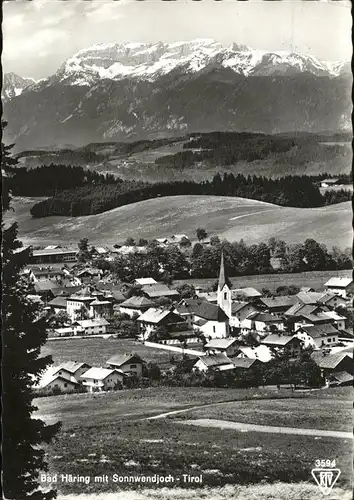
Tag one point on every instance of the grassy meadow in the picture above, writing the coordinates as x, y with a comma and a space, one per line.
109, 434
228, 217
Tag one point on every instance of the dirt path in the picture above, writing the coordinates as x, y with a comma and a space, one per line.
240, 426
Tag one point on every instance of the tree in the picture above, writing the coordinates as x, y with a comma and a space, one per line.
24, 333
186, 291
84, 253
142, 242
129, 242
201, 234
185, 242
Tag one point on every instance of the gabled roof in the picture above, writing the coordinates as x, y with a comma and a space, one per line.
238, 306
209, 296
58, 302
215, 360
46, 285
326, 297
261, 352
275, 339
122, 359
158, 290
70, 366
300, 308
248, 292
201, 308
244, 362
282, 301
99, 373
319, 317
309, 297
137, 303
155, 315
341, 377
317, 331
339, 282
220, 343
264, 317
98, 302
145, 281
329, 361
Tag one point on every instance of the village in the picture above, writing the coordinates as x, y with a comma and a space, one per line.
220, 331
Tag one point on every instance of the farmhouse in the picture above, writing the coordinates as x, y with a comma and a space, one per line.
340, 286
99, 308
332, 301
101, 379
329, 182
158, 290
228, 346
127, 363
136, 305
276, 304
55, 379
91, 326
262, 323
154, 318
339, 320
218, 362
240, 311
331, 364
318, 336
288, 344
245, 363
79, 301
72, 369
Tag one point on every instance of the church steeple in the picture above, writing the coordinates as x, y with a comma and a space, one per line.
222, 278
224, 292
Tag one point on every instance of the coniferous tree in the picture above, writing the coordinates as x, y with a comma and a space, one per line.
24, 333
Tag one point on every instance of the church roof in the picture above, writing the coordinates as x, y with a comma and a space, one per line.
222, 277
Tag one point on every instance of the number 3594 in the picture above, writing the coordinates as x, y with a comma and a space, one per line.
325, 463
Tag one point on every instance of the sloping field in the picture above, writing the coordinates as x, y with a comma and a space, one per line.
232, 218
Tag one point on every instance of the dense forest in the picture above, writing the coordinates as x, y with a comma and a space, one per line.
105, 194
51, 179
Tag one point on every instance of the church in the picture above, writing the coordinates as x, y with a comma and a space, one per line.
234, 302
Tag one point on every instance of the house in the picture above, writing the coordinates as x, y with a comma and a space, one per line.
332, 301
91, 326
318, 336
262, 323
310, 298
88, 275
45, 273
228, 346
245, 363
177, 239
57, 304
136, 305
52, 379
315, 318
145, 281
339, 320
72, 369
240, 311
99, 308
333, 363
154, 318
340, 286
217, 362
101, 379
129, 363
66, 331
158, 290
184, 310
79, 301
277, 304
53, 255
288, 344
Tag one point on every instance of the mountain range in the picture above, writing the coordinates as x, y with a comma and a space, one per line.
130, 91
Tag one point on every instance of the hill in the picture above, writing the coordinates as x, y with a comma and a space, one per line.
232, 218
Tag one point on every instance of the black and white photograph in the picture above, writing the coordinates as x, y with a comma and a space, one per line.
177, 307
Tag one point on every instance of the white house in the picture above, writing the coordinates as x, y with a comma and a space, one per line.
340, 286
54, 379
339, 320
218, 362
262, 323
91, 326
145, 281
128, 363
239, 312
228, 346
318, 336
101, 379
71, 369
136, 305
154, 318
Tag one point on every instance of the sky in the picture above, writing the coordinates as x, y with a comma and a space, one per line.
39, 35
